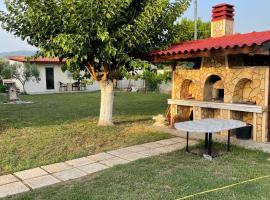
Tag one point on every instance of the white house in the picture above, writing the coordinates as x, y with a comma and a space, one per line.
51, 75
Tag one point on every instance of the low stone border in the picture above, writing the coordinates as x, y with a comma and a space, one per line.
31, 179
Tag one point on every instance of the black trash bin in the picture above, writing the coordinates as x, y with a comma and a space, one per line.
244, 133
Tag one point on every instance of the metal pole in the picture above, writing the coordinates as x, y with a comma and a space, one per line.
187, 150
195, 19
229, 138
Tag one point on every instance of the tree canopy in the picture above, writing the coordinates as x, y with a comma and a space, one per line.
185, 30
103, 37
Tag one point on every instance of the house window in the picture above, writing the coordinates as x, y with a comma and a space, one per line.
49, 78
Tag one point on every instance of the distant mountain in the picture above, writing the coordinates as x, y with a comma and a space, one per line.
17, 53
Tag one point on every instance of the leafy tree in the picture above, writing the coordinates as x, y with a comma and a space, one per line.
22, 73
154, 79
105, 38
3, 65
185, 30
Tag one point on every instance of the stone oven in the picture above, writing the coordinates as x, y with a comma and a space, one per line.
232, 81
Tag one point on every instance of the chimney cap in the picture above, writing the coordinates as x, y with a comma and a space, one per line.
223, 5
223, 11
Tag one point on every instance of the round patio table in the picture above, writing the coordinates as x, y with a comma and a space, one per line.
209, 126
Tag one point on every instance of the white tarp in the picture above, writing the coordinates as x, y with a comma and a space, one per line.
209, 125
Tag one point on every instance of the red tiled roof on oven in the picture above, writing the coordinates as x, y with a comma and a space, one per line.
39, 60
225, 42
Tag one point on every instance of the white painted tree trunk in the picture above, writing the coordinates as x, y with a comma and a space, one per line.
106, 103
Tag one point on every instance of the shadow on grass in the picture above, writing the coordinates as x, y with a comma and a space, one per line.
123, 122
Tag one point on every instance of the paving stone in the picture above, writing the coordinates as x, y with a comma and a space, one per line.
92, 168
133, 156
12, 188
30, 173
7, 179
167, 142
100, 156
152, 145
151, 152
41, 181
163, 150
69, 174
57, 167
175, 147
80, 162
137, 148
119, 152
178, 139
114, 161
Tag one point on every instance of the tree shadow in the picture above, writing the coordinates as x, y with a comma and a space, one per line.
128, 121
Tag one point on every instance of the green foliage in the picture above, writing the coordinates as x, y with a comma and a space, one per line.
153, 79
109, 36
3, 88
4, 72
185, 30
22, 73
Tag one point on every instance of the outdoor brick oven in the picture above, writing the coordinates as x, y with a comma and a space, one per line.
231, 77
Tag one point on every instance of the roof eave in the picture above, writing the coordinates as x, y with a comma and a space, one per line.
254, 50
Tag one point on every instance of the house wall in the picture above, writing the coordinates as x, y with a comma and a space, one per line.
240, 84
33, 87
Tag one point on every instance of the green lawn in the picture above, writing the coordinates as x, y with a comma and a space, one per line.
59, 127
169, 177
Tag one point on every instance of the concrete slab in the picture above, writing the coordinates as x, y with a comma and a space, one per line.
167, 142
30, 173
12, 188
92, 168
151, 152
133, 156
164, 150
137, 148
152, 145
119, 152
101, 156
56, 167
80, 162
69, 174
7, 179
176, 147
41, 181
114, 161
178, 139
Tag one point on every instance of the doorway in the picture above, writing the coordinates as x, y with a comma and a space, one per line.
49, 78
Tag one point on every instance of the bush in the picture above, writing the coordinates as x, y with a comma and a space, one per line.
153, 79
3, 88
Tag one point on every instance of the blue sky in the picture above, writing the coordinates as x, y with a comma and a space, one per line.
250, 16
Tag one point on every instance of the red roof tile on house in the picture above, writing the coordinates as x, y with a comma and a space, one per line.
38, 60
225, 42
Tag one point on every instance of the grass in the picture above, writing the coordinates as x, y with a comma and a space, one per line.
170, 176
59, 127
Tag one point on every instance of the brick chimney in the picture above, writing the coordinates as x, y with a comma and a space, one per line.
222, 20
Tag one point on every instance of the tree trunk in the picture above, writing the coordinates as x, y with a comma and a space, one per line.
24, 90
106, 104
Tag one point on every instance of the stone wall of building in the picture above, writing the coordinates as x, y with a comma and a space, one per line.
248, 84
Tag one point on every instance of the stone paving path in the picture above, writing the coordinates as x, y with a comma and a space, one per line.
31, 179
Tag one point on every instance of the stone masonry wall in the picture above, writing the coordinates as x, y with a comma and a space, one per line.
240, 84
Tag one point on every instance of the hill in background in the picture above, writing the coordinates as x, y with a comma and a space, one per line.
17, 53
